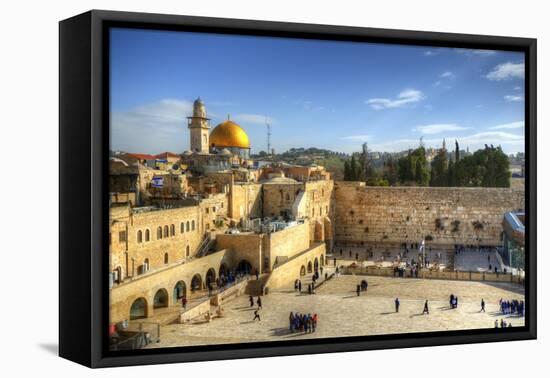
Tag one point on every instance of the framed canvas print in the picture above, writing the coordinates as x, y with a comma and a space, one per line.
234, 188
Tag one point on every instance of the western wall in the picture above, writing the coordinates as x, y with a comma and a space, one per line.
441, 216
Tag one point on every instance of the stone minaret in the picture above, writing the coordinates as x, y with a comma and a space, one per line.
198, 127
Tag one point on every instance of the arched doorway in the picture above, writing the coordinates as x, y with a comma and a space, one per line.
309, 267
180, 291
196, 283
223, 270
303, 271
210, 276
138, 309
161, 299
316, 265
244, 267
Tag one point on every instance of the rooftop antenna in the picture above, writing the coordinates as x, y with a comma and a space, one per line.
268, 137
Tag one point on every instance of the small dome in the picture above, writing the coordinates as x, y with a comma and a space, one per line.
229, 134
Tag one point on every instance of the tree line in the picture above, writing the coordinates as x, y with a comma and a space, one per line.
487, 167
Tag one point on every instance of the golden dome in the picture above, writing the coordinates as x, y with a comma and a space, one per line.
229, 134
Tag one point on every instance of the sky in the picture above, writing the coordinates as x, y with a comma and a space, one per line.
326, 94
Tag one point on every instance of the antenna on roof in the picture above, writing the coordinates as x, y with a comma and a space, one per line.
268, 137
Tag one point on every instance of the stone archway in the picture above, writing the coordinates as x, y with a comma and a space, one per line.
180, 291
244, 267
138, 310
316, 265
223, 270
196, 283
303, 271
210, 276
161, 299
309, 267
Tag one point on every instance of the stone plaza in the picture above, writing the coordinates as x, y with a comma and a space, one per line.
342, 313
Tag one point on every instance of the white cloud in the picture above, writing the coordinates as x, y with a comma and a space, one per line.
509, 142
257, 119
439, 128
508, 126
358, 138
475, 52
407, 96
507, 71
517, 88
431, 52
447, 75
513, 98
152, 128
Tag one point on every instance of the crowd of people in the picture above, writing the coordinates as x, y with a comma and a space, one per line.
305, 323
512, 307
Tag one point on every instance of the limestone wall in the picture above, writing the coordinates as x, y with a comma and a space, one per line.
245, 200
145, 286
284, 275
469, 216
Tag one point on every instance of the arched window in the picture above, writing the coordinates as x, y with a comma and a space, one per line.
193, 225
172, 230
140, 236
166, 231
187, 226
159, 233
145, 266
187, 251
182, 227
147, 235
166, 258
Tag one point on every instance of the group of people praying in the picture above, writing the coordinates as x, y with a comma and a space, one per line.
305, 323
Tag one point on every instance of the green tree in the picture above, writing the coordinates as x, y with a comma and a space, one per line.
440, 170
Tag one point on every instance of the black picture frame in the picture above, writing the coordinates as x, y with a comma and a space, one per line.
83, 196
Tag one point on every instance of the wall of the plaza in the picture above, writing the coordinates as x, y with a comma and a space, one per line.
246, 201
284, 275
447, 216
146, 286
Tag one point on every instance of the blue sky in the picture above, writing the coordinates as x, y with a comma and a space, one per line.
324, 94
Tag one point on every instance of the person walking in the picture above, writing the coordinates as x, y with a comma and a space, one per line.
251, 301
300, 286
397, 304
426, 309
358, 289
257, 315
259, 302
482, 305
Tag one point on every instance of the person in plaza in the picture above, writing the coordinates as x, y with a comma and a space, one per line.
309, 289
257, 315
482, 305
321, 270
251, 301
456, 301
259, 302
300, 286
315, 318
296, 285
496, 323
397, 303
358, 289
426, 309
183, 302
291, 322
334, 261
451, 300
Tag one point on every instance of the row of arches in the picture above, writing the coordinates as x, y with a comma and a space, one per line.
144, 236
312, 266
139, 308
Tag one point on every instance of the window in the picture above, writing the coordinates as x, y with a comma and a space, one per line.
182, 227
166, 231
140, 236
172, 230
207, 210
147, 235
187, 226
187, 251
193, 225
159, 233
166, 258
122, 236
